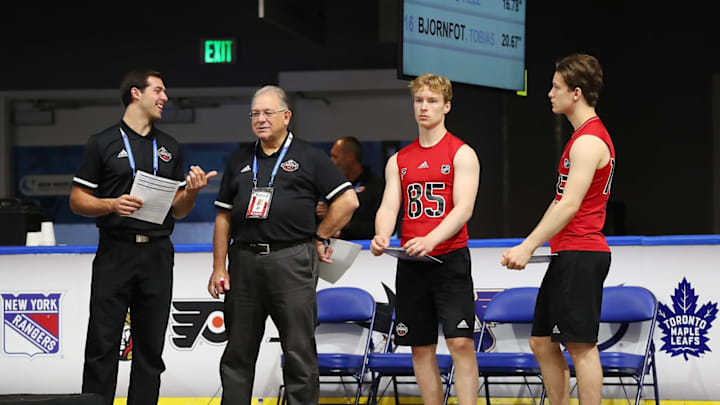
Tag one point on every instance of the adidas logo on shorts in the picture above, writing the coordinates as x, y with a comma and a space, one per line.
556, 330
463, 325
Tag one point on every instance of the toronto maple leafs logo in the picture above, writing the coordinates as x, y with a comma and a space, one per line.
685, 326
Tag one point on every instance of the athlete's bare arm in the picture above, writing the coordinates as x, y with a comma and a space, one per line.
587, 154
386, 216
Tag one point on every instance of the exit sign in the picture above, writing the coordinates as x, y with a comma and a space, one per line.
218, 51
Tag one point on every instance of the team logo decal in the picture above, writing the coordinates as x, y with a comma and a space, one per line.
403, 172
445, 169
192, 319
401, 329
685, 326
482, 297
566, 163
290, 165
560, 185
126, 343
31, 324
164, 154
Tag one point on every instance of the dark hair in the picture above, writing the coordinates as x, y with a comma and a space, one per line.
137, 78
583, 71
352, 145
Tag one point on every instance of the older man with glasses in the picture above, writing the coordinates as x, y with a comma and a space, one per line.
266, 227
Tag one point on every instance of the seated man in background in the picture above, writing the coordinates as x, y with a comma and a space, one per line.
346, 153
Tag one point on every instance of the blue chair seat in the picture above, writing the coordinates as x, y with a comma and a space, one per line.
340, 363
507, 363
400, 364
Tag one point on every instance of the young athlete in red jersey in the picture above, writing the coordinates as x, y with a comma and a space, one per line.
568, 304
435, 181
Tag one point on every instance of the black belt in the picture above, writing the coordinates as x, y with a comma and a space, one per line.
264, 248
131, 237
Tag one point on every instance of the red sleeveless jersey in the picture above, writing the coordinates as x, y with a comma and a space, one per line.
584, 231
426, 176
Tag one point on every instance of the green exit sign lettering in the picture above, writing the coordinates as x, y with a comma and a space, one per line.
217, 51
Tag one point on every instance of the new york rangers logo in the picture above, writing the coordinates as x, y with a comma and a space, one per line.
31, 324
685, 326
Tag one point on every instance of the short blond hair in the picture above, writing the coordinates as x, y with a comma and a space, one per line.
436, 83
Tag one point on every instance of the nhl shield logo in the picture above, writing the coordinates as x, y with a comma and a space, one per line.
445, 169
290, 165
31, 324
164, 154
566, 163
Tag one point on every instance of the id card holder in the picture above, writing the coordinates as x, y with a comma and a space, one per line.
259, 205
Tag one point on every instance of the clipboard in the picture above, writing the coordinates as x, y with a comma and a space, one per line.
402, 255
343, 256
541, 258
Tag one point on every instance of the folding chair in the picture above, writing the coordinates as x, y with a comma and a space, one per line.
344, 305
511, 306
629, 305
389, 363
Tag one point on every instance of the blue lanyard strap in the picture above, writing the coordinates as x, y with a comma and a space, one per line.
277, 162
131, 159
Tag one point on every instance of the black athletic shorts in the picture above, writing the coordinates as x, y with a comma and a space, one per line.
428, 294
570, 297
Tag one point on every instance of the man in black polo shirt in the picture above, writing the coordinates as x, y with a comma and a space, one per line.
266, 205
133, 265
346, 154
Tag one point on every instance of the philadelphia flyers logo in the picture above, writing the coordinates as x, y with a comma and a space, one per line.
190, 320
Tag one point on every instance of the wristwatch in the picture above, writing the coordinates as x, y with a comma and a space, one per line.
319, 238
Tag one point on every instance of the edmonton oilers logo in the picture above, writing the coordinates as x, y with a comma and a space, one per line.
685, 325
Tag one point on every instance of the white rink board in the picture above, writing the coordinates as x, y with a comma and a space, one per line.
192, 370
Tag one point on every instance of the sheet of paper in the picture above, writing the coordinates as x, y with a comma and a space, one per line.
157, 194
402, 255
541, 258
343, 256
